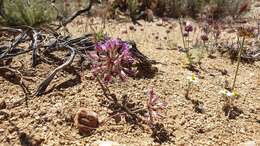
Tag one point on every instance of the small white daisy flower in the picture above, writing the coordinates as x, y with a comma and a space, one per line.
192, 79
228, 93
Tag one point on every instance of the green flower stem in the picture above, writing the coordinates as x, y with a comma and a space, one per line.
188, 41
188, 55
258, 29
238, 62
183, 40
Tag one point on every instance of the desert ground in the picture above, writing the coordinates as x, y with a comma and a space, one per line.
49, 118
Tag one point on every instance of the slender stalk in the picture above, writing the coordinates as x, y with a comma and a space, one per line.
34, 46
106, 90
110, 97
105, 120
188, 91
182, 34
188, 41
205, 48
238, 62
258, 29
184, 44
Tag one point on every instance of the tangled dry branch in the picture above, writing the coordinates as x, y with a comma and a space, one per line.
41, 43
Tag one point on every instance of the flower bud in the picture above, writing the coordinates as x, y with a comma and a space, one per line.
188, 28
204, 38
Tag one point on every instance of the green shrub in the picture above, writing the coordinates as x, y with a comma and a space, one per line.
132, 6
192, 8
182, 8
26, 12
227, 7
178, 8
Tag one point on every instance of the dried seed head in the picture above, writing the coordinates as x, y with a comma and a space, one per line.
86, 121
155, 105
188, 28
204, 38
246, 32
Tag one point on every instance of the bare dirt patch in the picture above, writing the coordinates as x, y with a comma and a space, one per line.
48, 119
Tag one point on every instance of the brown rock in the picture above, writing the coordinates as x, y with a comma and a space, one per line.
29, 140
2, 104
131, 27
86, 121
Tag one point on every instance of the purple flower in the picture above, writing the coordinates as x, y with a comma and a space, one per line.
101, 47
188, 28
112, 58
112, 44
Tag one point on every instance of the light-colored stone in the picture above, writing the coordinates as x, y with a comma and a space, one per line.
2, 130
248, 143
106, 143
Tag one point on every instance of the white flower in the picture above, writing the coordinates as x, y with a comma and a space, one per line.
227, 93
192, 79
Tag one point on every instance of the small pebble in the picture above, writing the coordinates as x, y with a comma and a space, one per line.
131, 27
2, 104
160, 23
2, 130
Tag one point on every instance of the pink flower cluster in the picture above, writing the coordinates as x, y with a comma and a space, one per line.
155, 105
112, 58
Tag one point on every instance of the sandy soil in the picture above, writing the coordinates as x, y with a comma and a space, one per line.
49, 117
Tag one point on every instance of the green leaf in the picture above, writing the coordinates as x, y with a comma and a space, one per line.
27, 12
